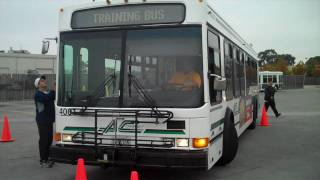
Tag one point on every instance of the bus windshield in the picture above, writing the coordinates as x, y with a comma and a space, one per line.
95, 68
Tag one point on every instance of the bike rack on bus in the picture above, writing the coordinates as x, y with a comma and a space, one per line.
82, 137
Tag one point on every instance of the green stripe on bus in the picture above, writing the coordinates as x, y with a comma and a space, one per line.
68, 128
216, 124
156, 131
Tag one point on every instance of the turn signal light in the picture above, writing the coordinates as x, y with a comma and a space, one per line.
200, 142
57, 136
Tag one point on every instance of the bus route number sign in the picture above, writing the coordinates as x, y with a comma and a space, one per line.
142, 14
65, 112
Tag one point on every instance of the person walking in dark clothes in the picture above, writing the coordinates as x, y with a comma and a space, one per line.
269, 99
45, 117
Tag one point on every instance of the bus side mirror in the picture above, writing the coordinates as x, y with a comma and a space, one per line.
220, 83
45, 47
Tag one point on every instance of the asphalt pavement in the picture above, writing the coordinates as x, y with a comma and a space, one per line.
289, 149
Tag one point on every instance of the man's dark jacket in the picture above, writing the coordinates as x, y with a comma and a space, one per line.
269, 93
45, 112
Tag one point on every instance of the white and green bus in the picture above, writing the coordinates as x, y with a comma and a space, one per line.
152, 84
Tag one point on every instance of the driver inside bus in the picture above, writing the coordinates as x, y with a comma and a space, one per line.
186, 78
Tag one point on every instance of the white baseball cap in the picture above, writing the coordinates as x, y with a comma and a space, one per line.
36, 81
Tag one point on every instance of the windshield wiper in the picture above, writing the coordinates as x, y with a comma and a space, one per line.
133, 81
149, 101
109, 79
107, 82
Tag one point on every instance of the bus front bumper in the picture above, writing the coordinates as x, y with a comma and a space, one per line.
109, 156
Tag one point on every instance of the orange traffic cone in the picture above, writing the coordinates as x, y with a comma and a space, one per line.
81, 170
264, 117
134, 175
6, 135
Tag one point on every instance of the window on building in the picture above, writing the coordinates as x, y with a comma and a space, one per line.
274, 79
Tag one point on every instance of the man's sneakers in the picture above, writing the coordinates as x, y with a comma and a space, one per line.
46, 164
279, 114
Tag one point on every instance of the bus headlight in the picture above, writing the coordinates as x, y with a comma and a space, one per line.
200, 142
182, 142
67, 137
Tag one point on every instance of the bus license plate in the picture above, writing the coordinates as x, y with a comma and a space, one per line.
124, 142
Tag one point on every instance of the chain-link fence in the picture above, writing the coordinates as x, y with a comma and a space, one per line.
312, 81
293, 82
14, 87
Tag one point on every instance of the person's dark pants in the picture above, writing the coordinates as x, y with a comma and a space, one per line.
45, 140
272, 104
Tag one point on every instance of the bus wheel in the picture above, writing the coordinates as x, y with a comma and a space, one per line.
255, 113
230, 142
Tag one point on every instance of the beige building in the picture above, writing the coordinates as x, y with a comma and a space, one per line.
24, 63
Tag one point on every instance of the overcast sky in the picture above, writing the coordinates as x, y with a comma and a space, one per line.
288, 26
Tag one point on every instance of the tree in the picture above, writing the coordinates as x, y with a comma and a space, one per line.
299, 69
281, 65
278, 65
312, 66
267, 57
287, 57
270, 56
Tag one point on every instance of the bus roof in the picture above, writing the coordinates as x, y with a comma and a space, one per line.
198, 12
229, 32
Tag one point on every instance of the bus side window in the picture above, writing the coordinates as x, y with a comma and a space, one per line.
214, 63
255, 73
228, 69
248, 74
237, 74
242, 80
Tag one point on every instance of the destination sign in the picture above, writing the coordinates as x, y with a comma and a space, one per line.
128, 15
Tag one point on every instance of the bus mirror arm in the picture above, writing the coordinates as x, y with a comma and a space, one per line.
215, 76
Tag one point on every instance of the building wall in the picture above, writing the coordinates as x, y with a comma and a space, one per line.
13, 63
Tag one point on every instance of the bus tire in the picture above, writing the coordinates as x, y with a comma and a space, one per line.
230, 141
254, 116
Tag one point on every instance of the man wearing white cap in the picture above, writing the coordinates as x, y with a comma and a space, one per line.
45, 117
